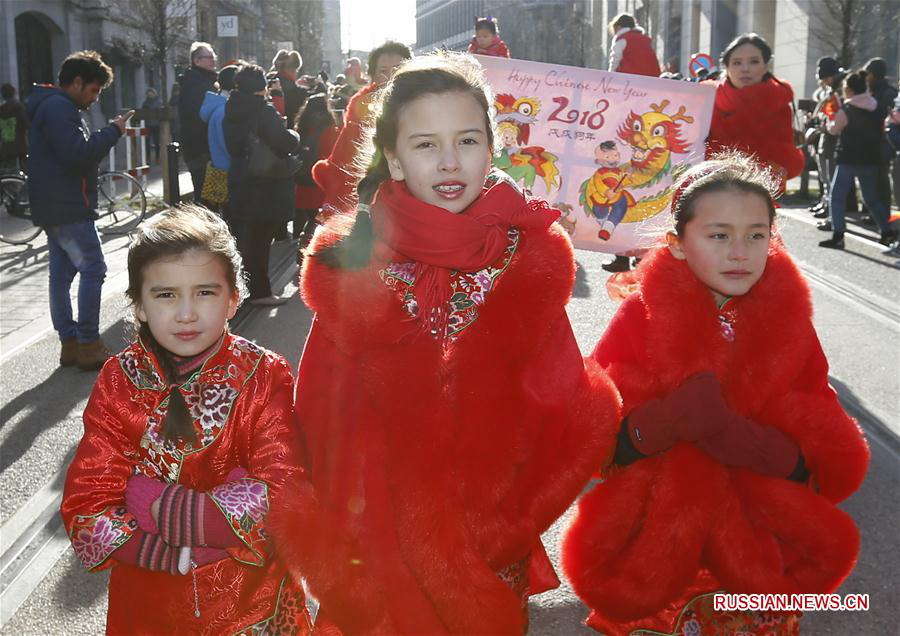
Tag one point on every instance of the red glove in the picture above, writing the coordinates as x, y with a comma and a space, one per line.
762, 449
148, 551
693, 411
696, 412
140, 493
204, 556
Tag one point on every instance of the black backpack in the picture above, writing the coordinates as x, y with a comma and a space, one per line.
308, 155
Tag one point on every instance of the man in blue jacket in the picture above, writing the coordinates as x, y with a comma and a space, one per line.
62, 178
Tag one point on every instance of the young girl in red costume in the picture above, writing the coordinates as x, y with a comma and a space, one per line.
734, 450
448, 415
188, 438
752, 111
486, 40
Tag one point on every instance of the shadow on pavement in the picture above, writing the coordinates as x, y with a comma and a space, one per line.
581, 289
42, 406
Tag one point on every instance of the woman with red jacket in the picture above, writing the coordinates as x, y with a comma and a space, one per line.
734, 451
752, 111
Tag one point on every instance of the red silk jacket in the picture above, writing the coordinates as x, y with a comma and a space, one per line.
241, 400
666, 528
433, 471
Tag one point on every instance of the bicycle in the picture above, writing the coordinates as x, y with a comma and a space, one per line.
121, 206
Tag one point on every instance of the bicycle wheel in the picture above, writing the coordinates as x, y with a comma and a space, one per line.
121, 202
15, 211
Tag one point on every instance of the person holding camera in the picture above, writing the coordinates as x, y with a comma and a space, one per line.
260, 204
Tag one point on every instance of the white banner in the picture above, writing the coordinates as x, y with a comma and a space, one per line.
603, 147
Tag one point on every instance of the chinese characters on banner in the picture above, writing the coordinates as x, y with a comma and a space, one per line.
603, 147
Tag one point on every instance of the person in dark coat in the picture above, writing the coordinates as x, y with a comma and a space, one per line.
286, 65
884, 94
152, 101
62, 177
198, 79
259, 206
13, 130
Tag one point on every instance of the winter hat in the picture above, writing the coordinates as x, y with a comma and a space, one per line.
827, 67
250, 78
877, 67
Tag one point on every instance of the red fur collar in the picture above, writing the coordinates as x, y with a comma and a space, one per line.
773, 320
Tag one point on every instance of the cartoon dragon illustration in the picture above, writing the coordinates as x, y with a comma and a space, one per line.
523, 163
653, 137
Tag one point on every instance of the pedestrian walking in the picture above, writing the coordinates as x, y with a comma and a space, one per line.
215, 182
859, 126
486, 40
828, 102
152, 101
62, 177
734, 451
13, 130
631, 50
196, 81
336, 175
259, 205
752, 111
188, 440
447, 414
318, 134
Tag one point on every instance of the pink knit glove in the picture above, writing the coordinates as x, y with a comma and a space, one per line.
140, 493
204, 556
236, 473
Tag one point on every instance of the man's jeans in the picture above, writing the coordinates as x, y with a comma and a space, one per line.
843, 178
75, 249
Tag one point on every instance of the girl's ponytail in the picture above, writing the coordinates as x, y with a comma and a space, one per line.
354, 251
178, 424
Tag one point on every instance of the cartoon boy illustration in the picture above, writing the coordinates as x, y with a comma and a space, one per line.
603, 195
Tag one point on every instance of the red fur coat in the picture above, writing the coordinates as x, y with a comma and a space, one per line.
434, 470
757, 120
671, 526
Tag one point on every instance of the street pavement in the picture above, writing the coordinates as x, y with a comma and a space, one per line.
855, 294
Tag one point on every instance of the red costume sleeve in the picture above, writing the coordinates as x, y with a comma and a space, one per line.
93, 504
336, 175
832, 443
271, 451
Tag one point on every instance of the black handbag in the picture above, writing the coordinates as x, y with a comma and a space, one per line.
264, 164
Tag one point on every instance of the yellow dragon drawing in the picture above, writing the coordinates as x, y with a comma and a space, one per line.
653, 137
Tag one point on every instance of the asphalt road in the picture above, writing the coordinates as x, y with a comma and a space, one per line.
855, 295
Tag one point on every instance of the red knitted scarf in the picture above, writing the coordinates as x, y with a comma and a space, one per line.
439, 241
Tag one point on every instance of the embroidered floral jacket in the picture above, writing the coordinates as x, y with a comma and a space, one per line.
434, 471
240, 400
666, 528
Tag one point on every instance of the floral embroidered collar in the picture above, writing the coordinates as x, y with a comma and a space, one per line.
209, 394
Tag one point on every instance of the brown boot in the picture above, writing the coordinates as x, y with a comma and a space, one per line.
92, 355
68, 354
